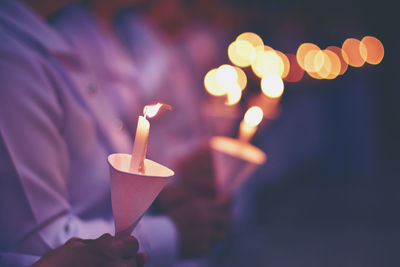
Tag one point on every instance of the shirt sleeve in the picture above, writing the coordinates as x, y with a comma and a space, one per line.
34, 205
35, 213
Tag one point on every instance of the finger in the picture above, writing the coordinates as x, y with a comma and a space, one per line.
75, 242
125, 246
141, 259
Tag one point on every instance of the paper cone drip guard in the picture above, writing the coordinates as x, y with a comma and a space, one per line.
133, 193
234, 162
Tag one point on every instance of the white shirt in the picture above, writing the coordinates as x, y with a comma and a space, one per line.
55, 135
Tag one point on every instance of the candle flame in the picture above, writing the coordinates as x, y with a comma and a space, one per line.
253, 116
150, 111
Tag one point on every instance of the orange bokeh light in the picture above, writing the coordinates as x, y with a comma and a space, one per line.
353, 52
335, 66
338, 52
302, 52
286, 63
296, 73
375, 50
241, 78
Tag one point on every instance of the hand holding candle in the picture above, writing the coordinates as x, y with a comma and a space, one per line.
235, 159
135, 180
248, 125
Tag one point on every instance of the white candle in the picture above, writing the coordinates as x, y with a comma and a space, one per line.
140, 145
248, 126
142, 137
246, 131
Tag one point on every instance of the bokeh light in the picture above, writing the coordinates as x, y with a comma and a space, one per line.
303, 51
313, 60
233, 95
241, 53
268, 62
296, 73
272, 85
211, 84
334, 68
286, 63
226, 80
251, 37
338, 52
323, 64
227, 76
353, 52
253, 116
375, 50
241, 78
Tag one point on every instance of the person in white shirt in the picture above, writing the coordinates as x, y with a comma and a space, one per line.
56, 130
57, 127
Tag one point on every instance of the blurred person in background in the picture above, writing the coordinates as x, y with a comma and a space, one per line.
325, 197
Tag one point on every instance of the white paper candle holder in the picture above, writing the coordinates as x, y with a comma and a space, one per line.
132, 193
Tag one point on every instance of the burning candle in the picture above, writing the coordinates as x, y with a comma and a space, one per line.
141, 138
248, 126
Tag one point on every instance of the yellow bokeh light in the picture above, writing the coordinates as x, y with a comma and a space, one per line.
226, 80
246, 50
211, 84
374, 48
227, 76
255, 40
353, 51
268, 62
334, 64
272, 85
243, 51
320, 60
241, 78
236, 58
323, 64
233, 95
253, 116
303, 51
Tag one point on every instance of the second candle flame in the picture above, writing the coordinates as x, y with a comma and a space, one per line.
253, 116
